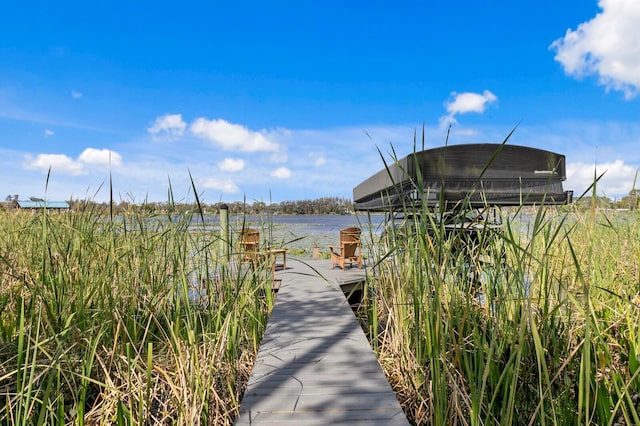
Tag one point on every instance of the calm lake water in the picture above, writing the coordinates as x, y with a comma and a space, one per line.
299, 233
302, 232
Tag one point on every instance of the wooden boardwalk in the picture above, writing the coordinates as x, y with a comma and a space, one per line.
315, 365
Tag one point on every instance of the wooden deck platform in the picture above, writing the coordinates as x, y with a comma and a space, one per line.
315, 365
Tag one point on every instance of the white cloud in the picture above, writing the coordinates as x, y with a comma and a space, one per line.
56, 162
168, 127
147, 173
64, 164
224, 185
233, 137
48, 133
231, 165
281, 173
103, 157
469, 102
606, 46
462, 103
76, 95
617, 179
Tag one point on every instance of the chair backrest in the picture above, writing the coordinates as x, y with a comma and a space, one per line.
349, 241
249, 239
350, 235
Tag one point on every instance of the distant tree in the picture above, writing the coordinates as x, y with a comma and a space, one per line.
258, 207
599, 201
11, 201
629, 201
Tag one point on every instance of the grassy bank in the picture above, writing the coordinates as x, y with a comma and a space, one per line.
537, 324
127, 320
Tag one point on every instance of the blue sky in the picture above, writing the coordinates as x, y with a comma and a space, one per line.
284, 100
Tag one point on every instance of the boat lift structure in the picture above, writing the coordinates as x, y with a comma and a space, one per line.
460, 187
476, 175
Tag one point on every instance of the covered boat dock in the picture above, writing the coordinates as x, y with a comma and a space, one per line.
477, 175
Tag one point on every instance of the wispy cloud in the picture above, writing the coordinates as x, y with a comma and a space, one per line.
75, 94
233, 137
606, 46
48, 133
18, 114
223, 185
319, 160
168, 127
317, 164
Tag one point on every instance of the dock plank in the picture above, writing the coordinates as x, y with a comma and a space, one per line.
315, 365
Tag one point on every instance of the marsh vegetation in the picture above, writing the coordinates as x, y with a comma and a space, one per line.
534, 324
123, 320
136, 319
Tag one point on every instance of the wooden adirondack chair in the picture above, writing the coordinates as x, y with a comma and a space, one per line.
249, 245
349, 251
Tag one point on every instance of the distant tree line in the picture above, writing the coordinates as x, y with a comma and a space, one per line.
630, 201
324, 205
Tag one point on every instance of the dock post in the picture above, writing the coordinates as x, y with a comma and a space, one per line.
224, 232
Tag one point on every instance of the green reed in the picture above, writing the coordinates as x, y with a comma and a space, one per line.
532, 323
131, 319
535, 323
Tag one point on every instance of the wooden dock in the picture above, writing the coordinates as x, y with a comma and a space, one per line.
315, 365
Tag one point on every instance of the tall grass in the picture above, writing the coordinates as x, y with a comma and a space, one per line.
135, 319
123, 320
535, 324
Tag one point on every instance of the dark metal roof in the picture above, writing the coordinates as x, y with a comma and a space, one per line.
480, 174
